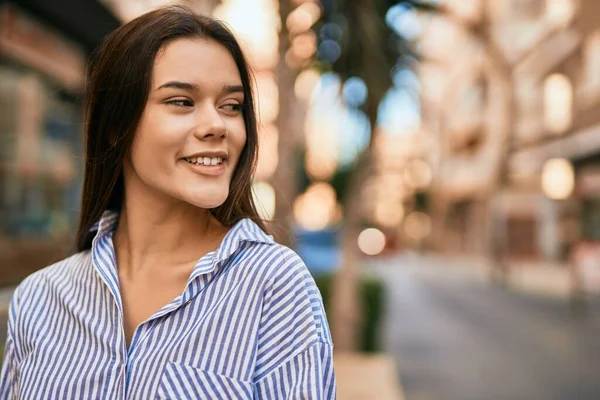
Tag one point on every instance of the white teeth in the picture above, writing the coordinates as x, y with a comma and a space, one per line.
205, 160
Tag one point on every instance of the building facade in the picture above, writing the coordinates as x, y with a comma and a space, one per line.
526, 93
43, 51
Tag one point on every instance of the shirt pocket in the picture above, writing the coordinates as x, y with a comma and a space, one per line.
180, 381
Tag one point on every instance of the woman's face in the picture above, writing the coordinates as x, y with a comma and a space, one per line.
192, 130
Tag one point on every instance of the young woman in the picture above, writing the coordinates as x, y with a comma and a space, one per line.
176, 292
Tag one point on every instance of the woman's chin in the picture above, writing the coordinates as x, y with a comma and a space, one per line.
207, 202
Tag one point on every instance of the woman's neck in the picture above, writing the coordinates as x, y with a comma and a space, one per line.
150, 236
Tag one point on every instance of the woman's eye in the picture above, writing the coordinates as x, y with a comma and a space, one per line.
234, 107
181, 103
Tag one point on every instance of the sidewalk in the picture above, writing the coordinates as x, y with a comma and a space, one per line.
367, 376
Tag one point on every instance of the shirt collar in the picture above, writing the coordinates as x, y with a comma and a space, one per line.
244, 230
207, 267
107, 223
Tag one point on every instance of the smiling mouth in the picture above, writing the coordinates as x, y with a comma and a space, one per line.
206, 161
208, 168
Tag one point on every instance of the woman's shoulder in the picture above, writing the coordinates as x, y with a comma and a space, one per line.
275, 259
60, 271
280, 269
287, 274
291, 299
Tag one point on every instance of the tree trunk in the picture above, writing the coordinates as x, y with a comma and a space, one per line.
290, 126
347, 309
500, 69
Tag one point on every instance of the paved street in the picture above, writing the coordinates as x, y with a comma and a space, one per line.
459, 339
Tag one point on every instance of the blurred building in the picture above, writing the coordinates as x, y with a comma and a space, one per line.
523, 89
43, 50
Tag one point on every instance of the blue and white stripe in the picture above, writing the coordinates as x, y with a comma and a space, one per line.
249, 324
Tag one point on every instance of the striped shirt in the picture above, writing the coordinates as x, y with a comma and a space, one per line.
249, 324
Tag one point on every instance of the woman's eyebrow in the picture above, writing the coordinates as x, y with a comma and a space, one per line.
233, 89
191, 87
179, 85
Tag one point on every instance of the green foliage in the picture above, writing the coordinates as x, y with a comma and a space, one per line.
422, 201
372, 297
341, 181
368, 44
302, 178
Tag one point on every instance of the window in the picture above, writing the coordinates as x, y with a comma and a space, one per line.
40, 161
558, 103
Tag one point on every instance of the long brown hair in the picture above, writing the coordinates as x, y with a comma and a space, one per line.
118, 82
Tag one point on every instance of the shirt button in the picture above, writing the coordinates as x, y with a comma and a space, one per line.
187, 302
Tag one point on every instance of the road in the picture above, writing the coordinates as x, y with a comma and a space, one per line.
457, 338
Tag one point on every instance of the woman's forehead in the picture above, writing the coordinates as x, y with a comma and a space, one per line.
201, 62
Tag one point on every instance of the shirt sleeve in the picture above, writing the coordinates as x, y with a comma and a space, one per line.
294, 352
308, 375
8, 376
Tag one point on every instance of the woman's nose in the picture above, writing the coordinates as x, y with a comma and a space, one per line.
210, 124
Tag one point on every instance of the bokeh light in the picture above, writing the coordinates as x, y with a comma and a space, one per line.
417, 225
316, 208
371, 241
264, 198
257, 25
558, 178
399, 112
305, 84
331, 31
418, 174
355, 91
405, 78
304, 45
389, 214
561, 12
329, 51
303, 17
403, 19
268, 152
267, 97
320, 165
558, 103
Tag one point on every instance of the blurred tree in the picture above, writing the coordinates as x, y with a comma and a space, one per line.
366, 48
291, 113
